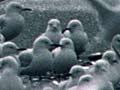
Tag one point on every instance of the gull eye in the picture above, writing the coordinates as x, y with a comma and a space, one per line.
109, 58
67, 43
118, 40
18, 7
46, 42
3, 63
50, 24
11, 47
74, 25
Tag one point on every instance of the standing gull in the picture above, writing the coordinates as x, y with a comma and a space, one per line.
100, 69
12, 22
42, 58
115, 46
84, 83
76, 72
54, 31
111, 57
25, 57
64, 57
9, 77
78, 35
9, 48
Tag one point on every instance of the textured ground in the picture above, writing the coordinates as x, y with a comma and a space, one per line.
36, 21
64, 10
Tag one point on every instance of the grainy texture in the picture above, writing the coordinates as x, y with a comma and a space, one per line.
36, 21
44, 10
64, 10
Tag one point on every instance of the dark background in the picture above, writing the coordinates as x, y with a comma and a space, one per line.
64, 10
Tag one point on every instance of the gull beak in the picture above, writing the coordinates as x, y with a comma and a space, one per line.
0, 64
2, 0
55, 25
66, 29
95, 56
115, 61
21, 49
27, 9
56, 45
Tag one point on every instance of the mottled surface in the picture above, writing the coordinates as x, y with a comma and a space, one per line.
36, 21
65, 10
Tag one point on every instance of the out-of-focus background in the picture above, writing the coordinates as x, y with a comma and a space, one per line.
64, 10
